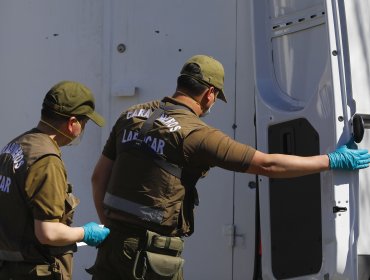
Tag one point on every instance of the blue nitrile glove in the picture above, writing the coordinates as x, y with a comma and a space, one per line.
94, 234
349, 159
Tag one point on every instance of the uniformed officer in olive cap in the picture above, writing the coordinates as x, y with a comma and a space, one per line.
144, 182
37, 240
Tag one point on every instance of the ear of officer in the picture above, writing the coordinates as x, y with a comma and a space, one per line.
199, 104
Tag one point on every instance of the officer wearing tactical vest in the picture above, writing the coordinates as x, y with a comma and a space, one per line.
144, 182
36, 237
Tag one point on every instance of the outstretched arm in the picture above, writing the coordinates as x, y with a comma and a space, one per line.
286, 166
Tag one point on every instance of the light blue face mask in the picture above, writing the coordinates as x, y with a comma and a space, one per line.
77, 140
206, 113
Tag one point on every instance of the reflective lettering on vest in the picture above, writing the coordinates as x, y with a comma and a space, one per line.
169, 122
16, 152
129, 135
5, 183
159, 146
156, 144
145, 113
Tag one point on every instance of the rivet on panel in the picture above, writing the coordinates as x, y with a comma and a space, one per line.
121, 48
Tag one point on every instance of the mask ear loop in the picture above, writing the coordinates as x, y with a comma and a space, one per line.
77, 140
49, 125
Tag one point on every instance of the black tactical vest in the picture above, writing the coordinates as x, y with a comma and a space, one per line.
151, 185
17, 239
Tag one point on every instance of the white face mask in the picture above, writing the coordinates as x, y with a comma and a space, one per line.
206, 113
77, 140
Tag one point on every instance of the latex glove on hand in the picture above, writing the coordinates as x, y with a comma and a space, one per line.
94, 234
349, 159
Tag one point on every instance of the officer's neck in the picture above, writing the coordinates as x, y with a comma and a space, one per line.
189, 101
45, 128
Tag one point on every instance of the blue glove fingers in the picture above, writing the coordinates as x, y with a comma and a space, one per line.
362, 166
364, 155
364, 161
361, 151
94, 234
344, 158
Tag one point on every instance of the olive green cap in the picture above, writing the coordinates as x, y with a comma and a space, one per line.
212, 72
69, 98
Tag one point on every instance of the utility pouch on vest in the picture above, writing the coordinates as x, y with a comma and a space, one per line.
160, 255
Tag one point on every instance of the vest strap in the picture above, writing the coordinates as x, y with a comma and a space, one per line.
139, 143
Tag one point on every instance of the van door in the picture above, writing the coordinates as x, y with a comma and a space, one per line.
304, 107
